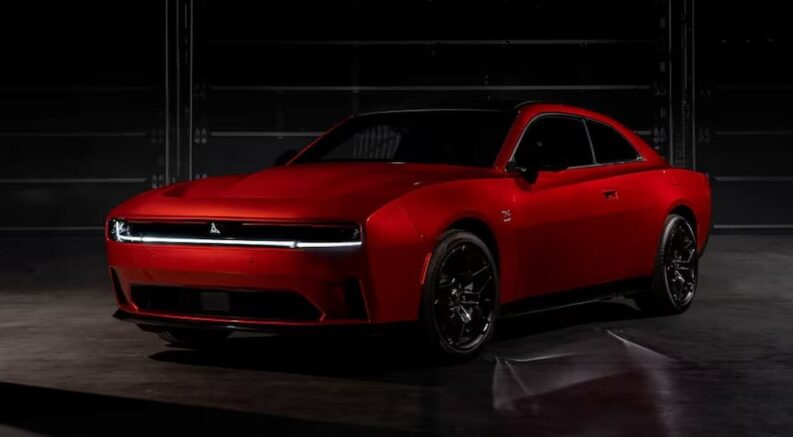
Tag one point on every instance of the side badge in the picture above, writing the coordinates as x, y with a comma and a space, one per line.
506, 215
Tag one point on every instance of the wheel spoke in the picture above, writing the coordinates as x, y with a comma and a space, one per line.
480, 271
484, 285
680, 263
462, 331
463, 297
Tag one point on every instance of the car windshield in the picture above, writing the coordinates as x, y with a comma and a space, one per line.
471, 138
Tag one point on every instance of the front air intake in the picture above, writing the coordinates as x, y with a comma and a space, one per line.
259, 305
354, 300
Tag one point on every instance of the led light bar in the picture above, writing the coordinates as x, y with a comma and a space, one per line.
119, 230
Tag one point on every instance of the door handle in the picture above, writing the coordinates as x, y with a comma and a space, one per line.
611, 194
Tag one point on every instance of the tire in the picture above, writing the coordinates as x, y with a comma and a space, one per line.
460, 297
675, 276
194, 338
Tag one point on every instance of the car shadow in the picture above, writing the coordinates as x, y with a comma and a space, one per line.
535, 372
382, 357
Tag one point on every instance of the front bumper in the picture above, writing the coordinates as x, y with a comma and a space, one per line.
336, 282
386, 273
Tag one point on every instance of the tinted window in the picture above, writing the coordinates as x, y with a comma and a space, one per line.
554, 143
609, 145
471, 138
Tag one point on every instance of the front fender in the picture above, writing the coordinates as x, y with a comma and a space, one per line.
395, 251
436, 209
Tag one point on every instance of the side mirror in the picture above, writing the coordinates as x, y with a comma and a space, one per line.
285, 157
528, 173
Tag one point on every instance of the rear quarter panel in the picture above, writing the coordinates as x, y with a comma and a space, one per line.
693, 190
653, 195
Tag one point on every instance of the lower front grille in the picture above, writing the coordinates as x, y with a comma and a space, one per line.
260, 305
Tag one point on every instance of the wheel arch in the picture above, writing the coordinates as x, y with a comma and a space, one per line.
482, 230
687, 213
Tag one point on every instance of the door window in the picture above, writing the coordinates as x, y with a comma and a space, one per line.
609, 145
554, 143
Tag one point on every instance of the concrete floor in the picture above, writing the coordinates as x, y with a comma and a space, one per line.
723, 368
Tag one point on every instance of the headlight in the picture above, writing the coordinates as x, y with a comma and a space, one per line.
118, 230
225, 233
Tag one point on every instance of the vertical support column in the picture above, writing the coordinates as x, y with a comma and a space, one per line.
662, 85
692, 83
682, 83
355, 97
167, 93
671, 66
178, 90
189, 113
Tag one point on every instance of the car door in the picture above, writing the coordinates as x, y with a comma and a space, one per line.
565, 226
635, 211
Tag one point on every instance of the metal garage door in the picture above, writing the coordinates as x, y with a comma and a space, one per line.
105, 100
81, 117
744, 112
271, 78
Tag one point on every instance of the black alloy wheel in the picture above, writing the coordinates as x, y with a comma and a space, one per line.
680, 266
461, 296
674, 282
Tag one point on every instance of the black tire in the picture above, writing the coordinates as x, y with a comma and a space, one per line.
460, 295
675, 277
194, 338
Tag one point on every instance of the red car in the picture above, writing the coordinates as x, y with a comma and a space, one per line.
449, 218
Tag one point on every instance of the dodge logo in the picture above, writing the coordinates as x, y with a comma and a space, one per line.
213, 228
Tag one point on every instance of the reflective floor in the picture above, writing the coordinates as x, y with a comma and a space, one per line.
723, 368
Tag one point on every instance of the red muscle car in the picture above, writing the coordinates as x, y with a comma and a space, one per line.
448, 218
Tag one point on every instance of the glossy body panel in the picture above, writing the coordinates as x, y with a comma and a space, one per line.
563, 230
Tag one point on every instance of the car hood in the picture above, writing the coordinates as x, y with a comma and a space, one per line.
329, 191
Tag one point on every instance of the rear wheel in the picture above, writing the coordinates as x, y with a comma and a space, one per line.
674, 281
460, 299
194, 338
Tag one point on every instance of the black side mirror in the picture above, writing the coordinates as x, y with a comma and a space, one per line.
528, 173
285, 157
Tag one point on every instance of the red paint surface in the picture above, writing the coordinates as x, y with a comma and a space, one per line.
564, 231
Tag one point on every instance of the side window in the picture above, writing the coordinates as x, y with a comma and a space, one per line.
554, 143
610, 146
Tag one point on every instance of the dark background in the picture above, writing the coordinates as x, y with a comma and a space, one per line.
99, 101
102, 100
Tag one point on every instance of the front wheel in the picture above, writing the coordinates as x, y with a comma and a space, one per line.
674, 281
460, 297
